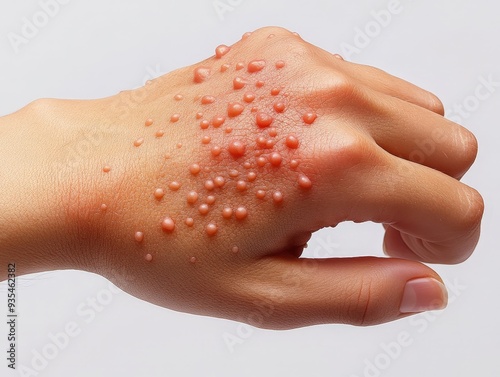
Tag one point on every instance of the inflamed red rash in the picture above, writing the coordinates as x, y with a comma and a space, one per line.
221, 50
201, 74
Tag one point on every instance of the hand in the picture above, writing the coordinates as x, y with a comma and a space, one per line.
201, 189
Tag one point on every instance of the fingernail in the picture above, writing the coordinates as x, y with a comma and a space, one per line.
423, 294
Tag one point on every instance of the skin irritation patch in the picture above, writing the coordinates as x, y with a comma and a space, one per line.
245, 136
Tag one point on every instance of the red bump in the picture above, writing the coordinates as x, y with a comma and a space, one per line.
211, 229
241, 185
206, 100
194, 169
259, 84
206, 139
292, 142
216, 150
305, 182
189, 221
159, 193
201, 74
192, 197
219, 181
240, 65
221, 50
275, 91
174, 186
209, 184
175, 117
203, 209
256, 65
249, 97
204, 124
168, 225
227, 213
277, 197
234, 109
139, 236
280, 64
224, 67
238, 83
149, 122
275, 159
279, 107
263, 120
159, 133
309, 118
237, 148
218, 121
210, 199
241, 213
260, 194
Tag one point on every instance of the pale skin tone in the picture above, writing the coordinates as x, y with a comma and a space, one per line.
357, 155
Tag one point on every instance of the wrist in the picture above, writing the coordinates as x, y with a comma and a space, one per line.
30, 201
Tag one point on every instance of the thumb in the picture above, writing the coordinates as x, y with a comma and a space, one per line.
360, 291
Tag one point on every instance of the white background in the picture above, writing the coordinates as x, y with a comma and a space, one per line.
93, 49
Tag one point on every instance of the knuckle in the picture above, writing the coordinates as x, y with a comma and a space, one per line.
358, 309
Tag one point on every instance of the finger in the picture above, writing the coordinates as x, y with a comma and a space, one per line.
359, 291
418, 135
438, 217
383, 82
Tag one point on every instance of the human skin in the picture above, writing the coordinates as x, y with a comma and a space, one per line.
340, 148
